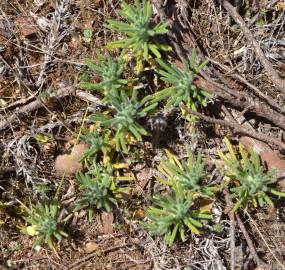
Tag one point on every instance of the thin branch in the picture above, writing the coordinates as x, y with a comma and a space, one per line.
34, 105
237, 128
249, 242
251, 247
265, 242
241, 101
38, 103
94, 254
243, 80
259, 93
232, 229
277, 80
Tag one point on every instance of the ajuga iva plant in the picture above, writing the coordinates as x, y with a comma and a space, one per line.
252, 183
111, 72
182, 88
139, 31
99, 189
42, 220
124, 121
189, 174
173, 213
98, 144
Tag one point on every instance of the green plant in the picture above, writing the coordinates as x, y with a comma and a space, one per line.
252, 182
182, 88
43, 224
110, 71
97, 143
139, 31
124, 121
188, 174
100, 190
172, 213
87, 35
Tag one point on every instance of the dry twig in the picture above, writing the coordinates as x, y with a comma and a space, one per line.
241, 101
251, 247
277, 80
265, 242
249, 242
256, 91
38, 103
79, 262
232, 230
237, 128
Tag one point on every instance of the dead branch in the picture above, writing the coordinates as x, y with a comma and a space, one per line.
241, 101
249, 242
265, 242
251, 247
38, 103
94, 254
237, 128
277, 80
232, 229
257, 92
87, 97
34, 105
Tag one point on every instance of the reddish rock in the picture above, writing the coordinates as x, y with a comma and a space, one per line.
70, 164
26, 26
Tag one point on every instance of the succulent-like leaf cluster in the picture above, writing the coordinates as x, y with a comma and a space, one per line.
182, 87
173, 213
139, 31
111, 72
97, 144
189, 174
43, 223
127, 112
252, 183
100, 190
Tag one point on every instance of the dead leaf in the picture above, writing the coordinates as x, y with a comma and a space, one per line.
206, 205
139, 213
90, 247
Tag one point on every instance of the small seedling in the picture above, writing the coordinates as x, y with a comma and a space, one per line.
188, 174
111, 72
253, 184
182, 87
127, 112
139, 31
173, 213
43, 224
87, 35
97, 144
100, 190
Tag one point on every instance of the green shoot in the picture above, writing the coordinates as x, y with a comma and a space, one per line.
127, 112
99, 189
182, 87
43, 224
252, 183
174, 214
111, 73
188, 174
139, 31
